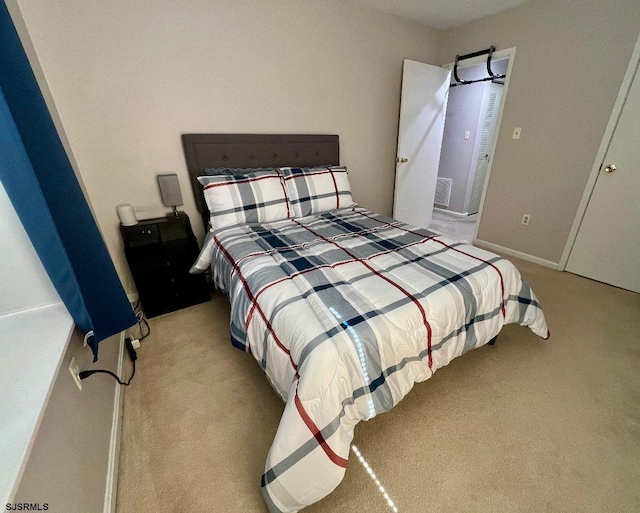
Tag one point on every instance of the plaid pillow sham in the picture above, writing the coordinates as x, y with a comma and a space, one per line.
317, 189
258, 197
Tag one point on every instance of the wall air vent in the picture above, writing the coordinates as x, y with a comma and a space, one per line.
443, 192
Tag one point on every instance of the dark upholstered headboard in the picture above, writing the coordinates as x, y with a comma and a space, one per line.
204, 151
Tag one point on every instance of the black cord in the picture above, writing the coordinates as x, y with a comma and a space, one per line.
86, 374
142, 322
146, 323
132, 355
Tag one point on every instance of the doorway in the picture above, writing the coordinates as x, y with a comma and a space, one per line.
470, 130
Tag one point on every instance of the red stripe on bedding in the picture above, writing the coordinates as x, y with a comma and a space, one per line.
313, 173
254, 302
243, 180
338, 460
286, 196
335, 187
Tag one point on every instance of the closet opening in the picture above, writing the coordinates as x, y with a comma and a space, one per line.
471, 127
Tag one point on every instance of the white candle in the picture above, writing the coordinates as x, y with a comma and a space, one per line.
127, 215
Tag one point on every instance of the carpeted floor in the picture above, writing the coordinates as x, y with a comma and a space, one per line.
456, 227
525, 426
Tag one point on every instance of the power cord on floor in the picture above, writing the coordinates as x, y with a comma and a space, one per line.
132, 355
142, 322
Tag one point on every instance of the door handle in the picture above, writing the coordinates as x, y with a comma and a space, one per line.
401, 160
610, 168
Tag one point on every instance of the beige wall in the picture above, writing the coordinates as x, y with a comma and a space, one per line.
67, 467
129, 77
570, 59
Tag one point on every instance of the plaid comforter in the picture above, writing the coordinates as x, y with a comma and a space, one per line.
345, 311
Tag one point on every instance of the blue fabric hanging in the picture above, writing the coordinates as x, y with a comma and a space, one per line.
39, 180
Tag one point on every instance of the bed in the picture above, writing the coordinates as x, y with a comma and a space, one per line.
344, 309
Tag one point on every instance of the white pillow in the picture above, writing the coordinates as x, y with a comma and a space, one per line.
257, 197
312, 190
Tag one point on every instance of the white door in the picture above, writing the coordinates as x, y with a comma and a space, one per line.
607, 247
486, 138
423, 104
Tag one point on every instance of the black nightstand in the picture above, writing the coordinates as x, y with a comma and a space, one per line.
160, 253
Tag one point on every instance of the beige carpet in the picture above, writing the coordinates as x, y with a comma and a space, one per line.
525, 426
456, 227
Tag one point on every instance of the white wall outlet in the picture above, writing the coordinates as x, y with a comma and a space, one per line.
516, 132
525, 219
74, 369
467, 134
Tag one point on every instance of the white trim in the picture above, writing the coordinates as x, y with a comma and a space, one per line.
634, 62
111, 487
509, 53
451, 212
518, 254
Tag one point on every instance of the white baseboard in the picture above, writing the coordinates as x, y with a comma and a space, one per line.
111, 487
451, 212
518, 254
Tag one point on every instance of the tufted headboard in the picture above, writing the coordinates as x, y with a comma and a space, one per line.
204, 151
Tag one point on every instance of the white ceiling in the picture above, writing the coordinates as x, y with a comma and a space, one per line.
441, 14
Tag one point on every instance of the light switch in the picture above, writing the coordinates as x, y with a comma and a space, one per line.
516, 132
467, 134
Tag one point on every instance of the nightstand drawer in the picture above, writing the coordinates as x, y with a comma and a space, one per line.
166, 263
161, 292
174, 236
137, 237
160, 253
